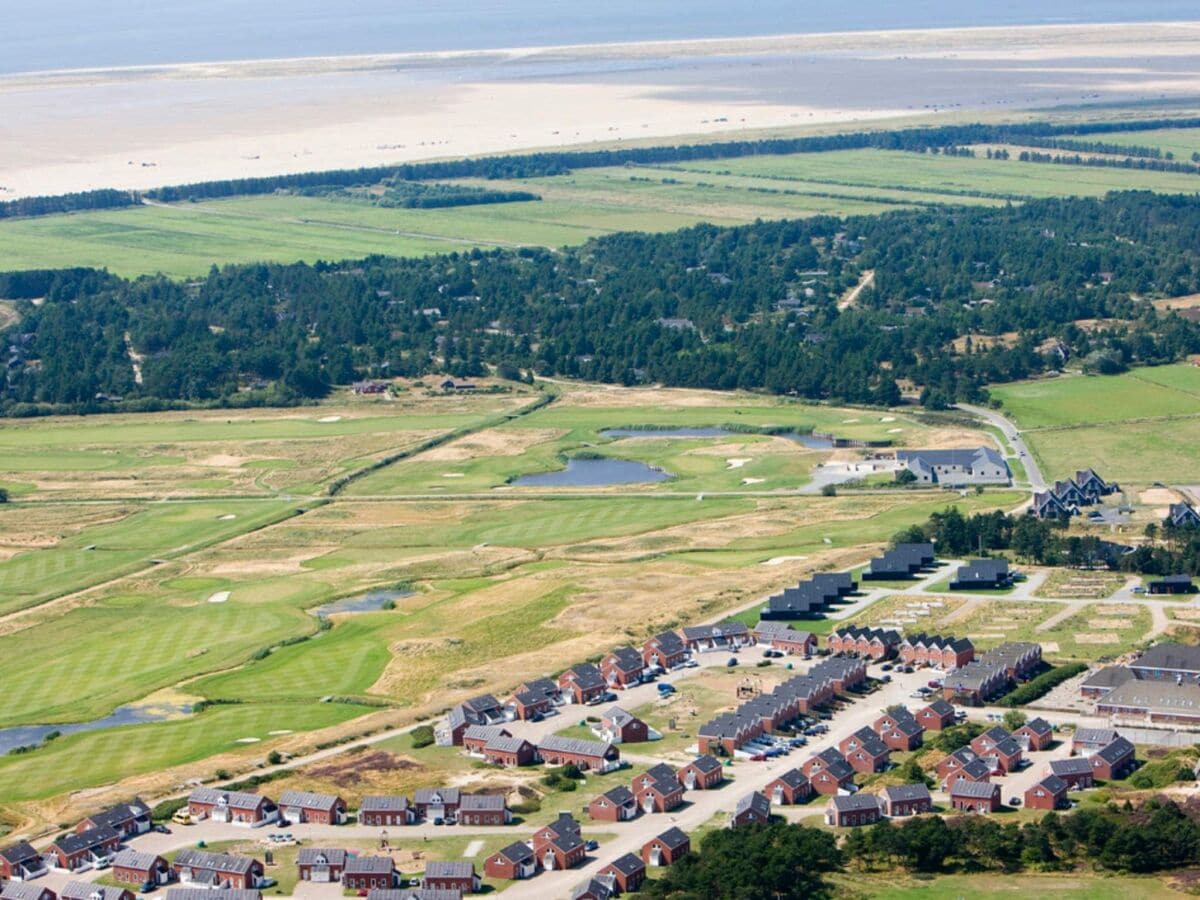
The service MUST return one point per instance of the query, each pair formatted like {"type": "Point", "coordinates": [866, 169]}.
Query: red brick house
{"type": "Point", "coordinates": [476, 737]}
{"type": "Point", "coordinates": [628, 872]}
{"type": "Point", "coordinates": [509, 752]}
{"type": "Point", "coordinates": [658, 790]}
{"type": "Point", "coordinates": [1036, 734]}
{"type": "Point", "coordinates": [999, 750]}
{"type": "Point", "coordinates": [199, 868]}
{"type": "Point", "coordinates": [728, 732]}
{"type": "Point", "coordinates": [975, 796]}
{"type": "Point", "coordinates": [782, 637]}
{"type": "Point", "coordinates": [80, 851]}
{"type": "Point", "coordinates": [129, 819]}
{"type": "Point", "coordinates": [512, 863]}
{"type": "Point", "coordinates": [864, 751]}
{"type": "Point", "coordinates": [937, 716]}
{"type": "Point", "coordinates": [905, 800]}
{"type": "Point", "coordinates": [385, 810]}
{"type": "Point", "coordinates": [590, 756]}
{"type": "Point", "coordinates": [528, 705]}
{"type": "Point", "coordinates": [1049, 794]}
{"type": "Point", "coordinates": [559, 845]}
{"type": "Point", "coordinates": [869, 643]}
{"type": "Point", "coordinates": [1089, 740]}
{"type": "Point", "coordinates": [86, 890]}
{"type": "Point", "coordinates": [617, 804]}
{"type": "Point", "coordinates": [752, 809]}
{"type": "Point", "coordinates": [622, 667]}
{"type": "Point", "coordinates": [702, 773]}
{"type": "Point", "coordinates": [899, 729]}
{"type": "Point", "coordinates": [666, 849]}
{"type": "Point", "coordinates": [666, 651]}
{"type": "Point", "coordinates": [828, 772]}
{"type": "Point", "coordinates": [583, 683]}
{"type": "Point", "coordinates": [598, 887]}
{"type": "Point", "coordinates": [483, 809]}
{"type": "Point", "coordinates": [21, 862]}
{"type": "Point", "coordinates": [436, 803]}
{"type": "Point", "coordinates": [136, 869]}
{"type": "Point", "coordinates": [1115, 760]}
{"type": "Point", "coordinates": [236, 807]}
{"type": "Point", "coordinates": [300, 807]}
{"type": "Point", "coordinates": [1075, 771]}
{"type": "Point", "coordinates": [940, 651]}
{"type": "Point", "coordinates": [369, 873]}
{"type": "Point", "coordinates": [23, 890]}
{"type": "Point", "coordinates": [620, 727]}
{"type": "Point", "coordinates": [852, 810]}
{"type": "Point", "coordinates": [788, 789]}
{"type": "Point", "coordinates": [319, 864]}
{"type": "Point", "coordinates": [963, 763]}
{"type": "Point", "coordinates": [450, 875]}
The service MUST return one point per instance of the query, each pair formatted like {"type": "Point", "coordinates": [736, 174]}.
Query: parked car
{"type": "Point", "coordinates": [731, 662]}
{"type": "Point", "coordinates": [934, 683]}
{"type": "Point", "coordinates": [689, 664]}
{"type": "Point", "coordinates": [664, 688]}
{"type": "Point", "coordinates": [885, 679]}
{"type": "Point", "coordinates": [887, 667]}
{"type": "Point", "coordinates": [1014, 801]}
{"type": "Point", "coordinates": [758, 757]}
{"type": "Point", "coordinates": [908, 670]}
{"type": "Point", "coordinates": [591, 845]}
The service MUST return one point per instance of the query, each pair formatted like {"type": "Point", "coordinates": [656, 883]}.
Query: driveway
{"type": "Point", "coordinates": [1013, 435]}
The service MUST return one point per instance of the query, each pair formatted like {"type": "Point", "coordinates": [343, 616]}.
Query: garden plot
{"type": "Point", "coordinates": [1071, 584]}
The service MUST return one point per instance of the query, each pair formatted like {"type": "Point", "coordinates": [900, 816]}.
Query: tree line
{"type": "Point", "coordinates": [1108, 162]}
{"type": "Point", "coordinates": [794, 862]}
{"type": "Point", "coordinates": [752, 307]}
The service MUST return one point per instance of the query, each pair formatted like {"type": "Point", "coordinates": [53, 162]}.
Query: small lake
{"type": "Point", "coordinates": [24, 735]}
{"type": "Point", "coordinates": [368, 602]}
{"type": "Point", "coordinates": [805, 440]}
{"type": "Point", "coordinates": [595, 473]}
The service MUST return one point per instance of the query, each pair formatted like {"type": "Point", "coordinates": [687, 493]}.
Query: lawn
{"type": "Point", "coordinates": [104, 552]}
{"type": "Point", "coordinates": [86, 760]}
{"type": "Point", "coordinates": [989, 886]}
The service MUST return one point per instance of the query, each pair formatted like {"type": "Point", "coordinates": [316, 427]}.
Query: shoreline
{"type": "Point", "coordinates": [799, 42]}
{"type": "Point", "coordinates": [143, 127]}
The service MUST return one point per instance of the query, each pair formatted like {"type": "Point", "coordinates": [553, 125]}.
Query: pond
{"type": "Point", "coordinates": [805, 440]}
{"type": "Point", "coordinates": [368, 602]}
{"type": "Point", "coordinates": [24, 735]}
{"type": "Point", "coordinates": [595, 473]}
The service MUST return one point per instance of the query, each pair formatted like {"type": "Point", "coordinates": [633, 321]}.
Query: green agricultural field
{"type": "Point", "coordinates": [1182, 142]}
{"type": "Point", "coordinates": [101, 757]}
{"type": "Point", "coordinates": [987, 886]}
{"type": "Point", "coordinates": [1137, 427]}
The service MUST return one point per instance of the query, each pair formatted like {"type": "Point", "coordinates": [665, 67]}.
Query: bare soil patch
{"type": "Point", "coordinates": [1188, 301]}
{"type": "Point", "coordinates": [491, 442]}
{"type": "Point", "coordinates": [1087, 637]}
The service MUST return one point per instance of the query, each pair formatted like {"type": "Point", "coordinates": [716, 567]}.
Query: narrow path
{"type": "Point", "coordinates": [1063, 614]}
{"type": "Point", "coordinates": [851, 296]}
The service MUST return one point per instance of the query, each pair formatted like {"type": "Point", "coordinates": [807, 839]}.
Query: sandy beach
{"type": "Point", "coordinates": [145, 126]}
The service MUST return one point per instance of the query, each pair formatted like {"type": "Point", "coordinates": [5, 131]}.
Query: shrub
{"type": "Point", "coordinates": [422, 736]}
{"type": "Point", "coordinates": [168, 808]}
{"type": "Point", "coordinates": [1042, 684]}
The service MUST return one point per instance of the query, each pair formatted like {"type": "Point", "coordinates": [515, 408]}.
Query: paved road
{"type": "Point", "coordinates": [1013, 435]}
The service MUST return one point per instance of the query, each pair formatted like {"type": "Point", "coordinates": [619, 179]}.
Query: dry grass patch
{"type": "Point", "coordinates": [492, 442]}
{"type": "Point", "coordinates": [1069, 584]}
{"type": "Point", "coordinates": [1188, 301]}
{"type": "Point", "coordinates": [1097, 638]}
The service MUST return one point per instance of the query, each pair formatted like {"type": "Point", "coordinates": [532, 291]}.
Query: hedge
{"type": "Point", "coordinates": [1042, 684]}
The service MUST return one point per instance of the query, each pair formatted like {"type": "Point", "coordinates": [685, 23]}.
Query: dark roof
{"type": "Point", "coordinates": [1073, 765]}
{"type": "Point", "coordinates": [793, 778]}
{"type": "Point", "coordinates": [85, 840]}
{"type": "Point", "coordinates": [1115, 752]}
{"type": "Point", "coordinates": [620, 795]}
{"type": "Point", "coordinates": [215, 862]}
{"type": "Point", "coordinates": [669, 642]}
{"type": "Point", "coordinates": [482, 703]}
{"type": "Point", "coordinates": [906, 792]}
{"type": "Point", "coordinates": [983, 570]}
{"type": "Point", "coordinates": [1038, 725]}
{"type": "Point", "coordinates": [673, 838]}
{"type": "Point", "coordinates": [705, 763]}
{"type": "Point", "coordinates": [383, 803]}
{"type": "Point", "coordinates": [629, 864]}
{"type": "Point", "coordinates": [369, 865]}
{"type": "Point", "coordinates": [1100, 736]}
{"type": "Point", "coordinates": [20, 852]}
{"type": "Point", "coordinates": [118, 815]}
{"type": "Point", "coordinates": [1053, 784]}
{"type": "Point", "coordinates": [976, 769]}
{"type": "Point", "coordinates": [133, 859]}
{"type": "Point", "coordinates": [627, 659]}
{"type": "Point", "coordinates": [317, 856]}
{"type": "Point", "coordinates": [479, 802]}
{"type": "Point", "coordinates": [756, 802]}
{"type": "Point", "coordinates": [941, 707]}
{"type": "Point", "coordinates": [446, 868]}
{"type": "Point", "coordinates": [973, 789]}
{"type": "Point", "coordinates": [855, 802]}
{"type": "Point", "coordinates": [1173, 657]}
{"type": "Point", "coordinates": [233, 799]}
{"type": "Point", "coordinates": [22, 890]}
{"type": "Point", "coordinates": [85, 890]}
{"type": "Point", "coordinates": [516, 852]}
{"type": "Point", "coordinates": [1108, 677]}
{"type": "Point", "coordinates": [587, 676]}
{"type": "Point", "coordinates": [578, 746]}
{"type": "Point", "coordinates": [430, 795]}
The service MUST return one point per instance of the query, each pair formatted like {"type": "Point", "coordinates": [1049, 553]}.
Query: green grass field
{"type": "Point", "coordinates": [1137, 427]}
{"type": "Point", "coordinates": [100, 757]}
{"type": "Point", "coordinates": [987, 886]}
{"type": "Point", "coordinates": [185, 239]}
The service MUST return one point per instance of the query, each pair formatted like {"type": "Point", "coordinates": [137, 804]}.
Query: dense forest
{"type": "Point", "coordinates": [749, 307]}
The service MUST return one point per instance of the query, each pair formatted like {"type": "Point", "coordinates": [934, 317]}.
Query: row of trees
{"type": "Point", "coordinates": [1046, 542]}
{"type": "Point", "coordinates": [1111, 162]}
{"type": "Point", "coordinates": [794, 862]}
{"type": "Point", "coordinates": [752, 307]}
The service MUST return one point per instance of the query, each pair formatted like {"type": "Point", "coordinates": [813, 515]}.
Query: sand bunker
{"type": "Point", "coordinates": [227, 517]}
{"type": "Point", "coordinates": [895, 430]}
{"type": "Point", "coordinates": [737, 462]}
{"type": "Point", "coordinates": [1050, 646]}
{"type": "Point", "coordinates": [753, 480]}
{"type": "Point", "coordinates": [219, 597]}
{"type": "Point", "coordinates": [222, 461]}
{"type": "Point", "coordinates": [473, 849]}
{"type": "Point", "coordinates": [327, 420]}
{"type": "Point", "coordinates": [247, 740]}
{"type": "Point", "coordinates": [887, 419]}
{"type": "Point", "coordinates": [1116, 609]}
{"type": "Point", "coordinates": [279, 731]}
{"type": "Point", "coordinates": [1157, 496]}
{"type": "Point", "coordinates": [453, 475]}
{"type": "Point", "coordinates": [780, 560]}
{"type": "Point", "coordinates": [1107, 624]}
